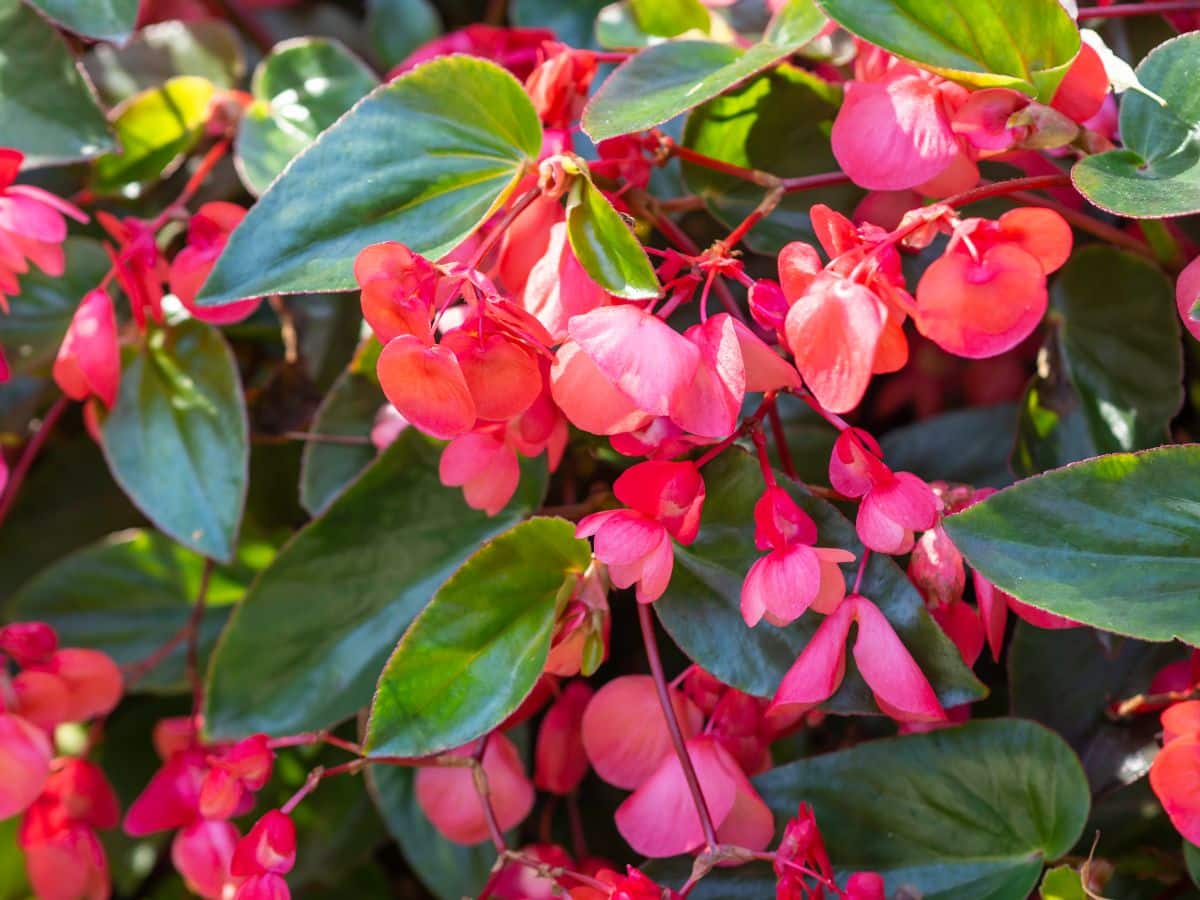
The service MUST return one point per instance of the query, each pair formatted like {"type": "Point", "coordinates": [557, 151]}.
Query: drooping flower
{"type": "Point", "coordinates": [25, 754]}
{"type": "Point", "coordinates": [559, 85]}
{"type": "Point", "coordinates": [92, 679]}
{"type": "Point", "coordinates": [234, 773]}
{"type": "Point", "coordinates": [89, 359]}
{"type": "Point", "coordinates": [140, 268]}
{"type": "Point", "coordinates": [900, 687]}
{"type": "Point", "coordinates": [208, 233]}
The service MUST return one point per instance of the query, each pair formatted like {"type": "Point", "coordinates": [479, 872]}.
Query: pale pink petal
{"type": "Point", "coordinates": [709, 405]}
{"type": "Point", "coordinates": [878, 531]}
{"type": "Point", "coordinates": [558, 288]}
{"type": "Point", "coordinates": [201, 854]}
{"type": "Point", "coordinates": [656, 571]}
{"type": "Point", "coordinates": [908, 500]}
{"type": "Point", "coordinates": [587, 398]}
{"type": "Point", "coordinates": [25, 760]}
{"type": "Point", "coordinates": [447, 795]}
{"type": "Point", "coordinates": [765, 369]}
{"type": "Point", "coordinates": [783, 584]}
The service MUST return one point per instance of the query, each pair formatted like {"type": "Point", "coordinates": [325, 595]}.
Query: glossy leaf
{"type": "Point", "coordinates": [339, 596]}
{"type": "Point", "coordinates": [444, 145]}
{"type": "Point", "coordinates": [1025, 46]}
{"type": "Point", "coordinates": [667, 79]}
{"type": "Point", "coordinates": [208, 49]}
{"type": "Point", "coordinates": [475, 652]}
{"type": "Point", "coordinates": [348, 409]}
{"type": "Point", "coordinates": [130, 594]}
{"type": "Point", "coordinates": [967, 445]}
{"type": "Point", "coordinates": [1062, 883]}
{"type": "Point", "coordinates": [181, 410]}
{"type": "Point", "coordinates": [971, 811]}
{"type": "Point", "coordinates": [667, 18]}
{"type": "Point", "coordinates": [156, 129]}
{"type": "Point", "coordinates": [1157, 172]}
{"type": "Point", "coordinates": [605, 246]}
{"type": "Point", "coordinates": [34, 328]}
{"type": "Point", "coordinates": [101, 20]}
{"type": "Point", "coordinates": [779, 122]}
{"type": "Point", "coordinates": [573, 21]}
{"type": "Point", "coordinates": [398, 27]}
{"type": "Point", "coordinates": [300, 89]}
{"type": "Point", "coordinates": [48, 110]}
{"type": "Point", "coordinates": [1119, 334]}
{"type": "Point", "coordinates": [1110, 542]}
{"type": "Point", "coordinates": [701, 608]}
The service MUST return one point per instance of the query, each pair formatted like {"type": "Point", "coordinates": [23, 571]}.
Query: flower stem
{"type": "Point", "coordinates": [668, 708]}
{"type": "Point", "coordinates": [1010, 186]}
{"type": "Point", "coordinates": [29, 454]}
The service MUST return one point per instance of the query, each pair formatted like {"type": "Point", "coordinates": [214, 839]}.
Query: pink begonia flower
{"type": "Point", "coordinates": [70, 865]}
{"type": "Point", "coordinates": [28, 643]}
{"type": "Point", "coordinates": [557, 288]}
{"type": "Point", "coordinates": [140, 268]}
{"type": "Point", "coordinates": [427, 385]}
{"type": "Point", "coordinates": [172, 798]}
{"type": "Point", "coordinates": [518, 881]}
{"type": "Point", "coordinates": [900, 687]}
{"type": "Point", "coordinates": [894, 504]}
{"type": "Point", "coordinates": [234, 773]}
{"type": "Point", "coordinates": [201, 854]}
{"type": "Point", "coordinates": [93, 681]}
{"type": "Point", "coordinates": [633, 885]}
{"type": "Point", "coordinates": [795, 574]}
{"type": "Point", "coordinates": [588, 398]}
{"type": "Point", "coordinates": [32, 227]}
{"type": "Point", "coordinates": [269, 846]}
{"type": "Point", "coordinates": [1083, 90]}
{"type": "Point", "coordinates": [484, 466]}
{"type": "Point", "coordinates": [516, 49]}
{"type": "Point", "coordinates": [893, 130]}
{"type": "Point", "coordinates": [624, 756]}
{"type": "Point", "coordinates": [400, 290]}
{"type": "Point", "coordinates": [657, 438]}
{"type": "Point", "coordinates": [665, 500]}
{"type": "Point", "coordinates": [208, 233]}
{"type": "Point", "coordinates": [659, 818]}
{"type": "Point", "coordinates": [560, 762]}
{"type": "Point", "coordinates": [1187, 297]}
{"type": "Point", "coordinates": [866, 886]}
{"type": "Point", "coordinates": [41, 698]}
{"type": "Point", "coordinates": [89, 359]}
{"type": "Point", "coordinates": [640, 355]}
{"type": "Point", "coordinates": [387, 426]}
{"type": "Point", "coordinates": [25, 754]}
{"type": "Point", "coordinates": [739, 724]}
{"type": "Point", "coordinates": [503, 377]}
{"type": "Point", "coordinates": [559, 85]}
{"type": "Point", "coordinates": [447, 795]}
{"type": "Point", "coordinates": [267, 886]}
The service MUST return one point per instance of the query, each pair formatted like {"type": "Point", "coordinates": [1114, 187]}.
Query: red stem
{"type": "Point", "coordinates": [1011, 186]}
{"type": "Point", "coordinates": [682, 241]}
{"type": "Point", "coordinates": [811, 182]}
{"type": "Point", "coordinates": [755, 176]}
{"type": "Point", "coordinates": [668, 708]}
{"type": "Point", "coordinates": [485, 798]}
{"type": "Point", "coordinates": [1138, 9]}
{"type": "Point", "coordinates": [29, 454]}
{"type": "Point", "coordinates": [781, 444]}
{"type": "Point", "coordinates": [207, 163]}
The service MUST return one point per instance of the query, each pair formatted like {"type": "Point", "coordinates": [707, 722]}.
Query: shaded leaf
{"type": "Point", "coordinates": [398, 27]}
{"type": "Point", "coordinates": [970, 446]}
{"type": "Point", "coordinates": [101, 20]}
{"type": "Point", "coordinates": [348, 409]}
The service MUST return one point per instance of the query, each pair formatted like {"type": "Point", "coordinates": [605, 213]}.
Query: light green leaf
{"type": "Point", "coordinates": [667, 18]}
{"type": "Point", "coordinates": [604, 245]}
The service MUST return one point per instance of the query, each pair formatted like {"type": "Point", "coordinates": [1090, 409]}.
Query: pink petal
{"type": "Point", "coordinates": [670, 492]}
{"type": "Point", "coordinates": [641, 355]}
{"type": "Point", "coordinates": [963, 626]}
{"type": "Point", "coordinates": [710, 404]}
{"type": "Point", "coordinates": [31, 218]}
{"type": "Point", "coordinates": [908, 500]}
{"type": "Point", "coordinates": [879, 531]}
{"type": "Point", "coordinates": [587, 398]}
{"type": "Point", "coordinates": [624, 538]}
{"type": "Point", "coordinates": [447, 795]}
{"type": "Point", "coordinates": [560, 762]}
{"type": "Point", "coordinates": [656, 571]}
{"type": "Point", "coordinates": [765, 369]}
{"type": "Point", "coordinates": [899, 685]}
{"type": "Point", "coordinates": [25, 760]}
{"type": "Point", "coordinates": [201, 853]}
{"type": "Point", "coordinates": [1040, 618]}
{"type": "Point", "coordinates": [625, 756]}
{"type": "Point", "coordinates": [1187, 297]}
{"type": "Point", "coordinates": [783, 583]}
{"type": "Point", "coordinates": [818, 670]}
{"type": "Point", "coordinates": [504, 378]}
{"type": "Point", "coordinates": [993, 610]}
{"type": "Point", "coordinates": [427, 386]}
{"type": "Point", "coordinates": [833, 579]}
{"type": "Point", "coordinates": [558, 288]}
{"type": "Point", "coordinates": [778, 521]}
{"type": "Point", "coordinates": [89, 360]}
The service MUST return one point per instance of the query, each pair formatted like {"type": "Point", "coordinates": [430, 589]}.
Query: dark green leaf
{"type": "Point", "coordinates": [451, 871]}
{"type": "Point", "coordinates": [398, 27]}
{"type": "Point", "coordinates": [443, 146]}
{"type": "Point", "coordinates": [348, 409]}
{"type": "Point", "coordinates": [156, 129]}
{"type": "Point", "coordinates": [1191, 857]}
{"type": "Point", "coordinates": [667, 18]}
{"type": "Point", "coordinates": [965, 812]}
{"type": "Point", "coordinates": [662, 81]}
{"type": "Point", "coordinates": [300, 89]}
{"type": "Point", "coordinates": [1110, 542]}
{"type": "Point", "coordinates": [34, 329]}
{"type": "Point", "coordinates": [779, 122]}
{"type": "Point", "coordinates": [701, 608]}
{"type": "Point", "coordinates": [101, 20]}
{"type": "Point", "coordinates": [605, 246]}
{"type": "Point", "coordinates": [129, 594]}
{"type": "Point", "coordinates": [968, 445]}
{"type": "Point", "coordinates": [573, 21]}
{"type": "Point", "coordinates": [208, 49]}
{"type": "Point", "coordinates": [1119, 334]}
{"type": "Point", "coordinates": [48, 110]}
{"type": "Point", "coordinates": [338, 597]}
{"type": "Point", "coordinates": [1026, 46]}
{"type": "Point", "coordinates": [1158, 172]}
{"type": "Point", "coordinates": [475, 652]}
{"type": "Point", "coordinates": [1051, 429]}
{"type": "Point", "coordinates": [177, 439]}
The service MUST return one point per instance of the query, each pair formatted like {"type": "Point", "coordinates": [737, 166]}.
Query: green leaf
{"type": "Point", "coordinates": [970, 446]}
{"type": "Point", "coordinates": [1026, 46]}
{"type": "Point", "coordinates": [348, 409]}
{"type": "Point", "coordinates": [14, 885]}
{"type": "Point", "coordinates": [130, 593]}
{"type": "Point", "coordinates": [35, 326]}
{"type": "Point", "coordinates": [964, 812]}
{"type": "Point", "coordinates": [605, 246]}
{"type": "Point", "coordinates": [572, 21]}
{"type": "Point", "coordinates": [207, 49]}
{"type": "Point", "coordinates": [48, 110]}
{"type": "Point", "coordinates": [1191, 858]}
{"type": "Point", "coordinates": [1119, 334]}
{"type": "Point", "coordinates": [338, 597]}
{"type": "Point", "coordinates": [474, 653]}
{"type": "Point", "coordinates": [398, 27]}
{"type": "Point", "coordinates": [779, 122]}
{"type": "Point", "coordinates": [101, 20]}
{"type": "Point", "coordinates": [156, 128]}
{"type": "Point", "coordinates": [667, 79]}
{"type": "Point", "coordinates": [1062, 883]}
{"type": "Point", "coordinates": [1157, 173]}
{"type": "Point", "coordinates": [1110, 542]}
{"type": "Point", "coordinates": [450, 871]}
{"type": "Point", "coordinates": [443, 146]}
{"type": "Point", "coordinates": [1051, 430]}
{"type": "Point", "coordinates": [701, 608]}
{"type": "Point", "coordinates": [667, 18]}
{"type": "Point", "coordinates": [300, 89]}
{"type": "Point", "coordinates": [177, 439]}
